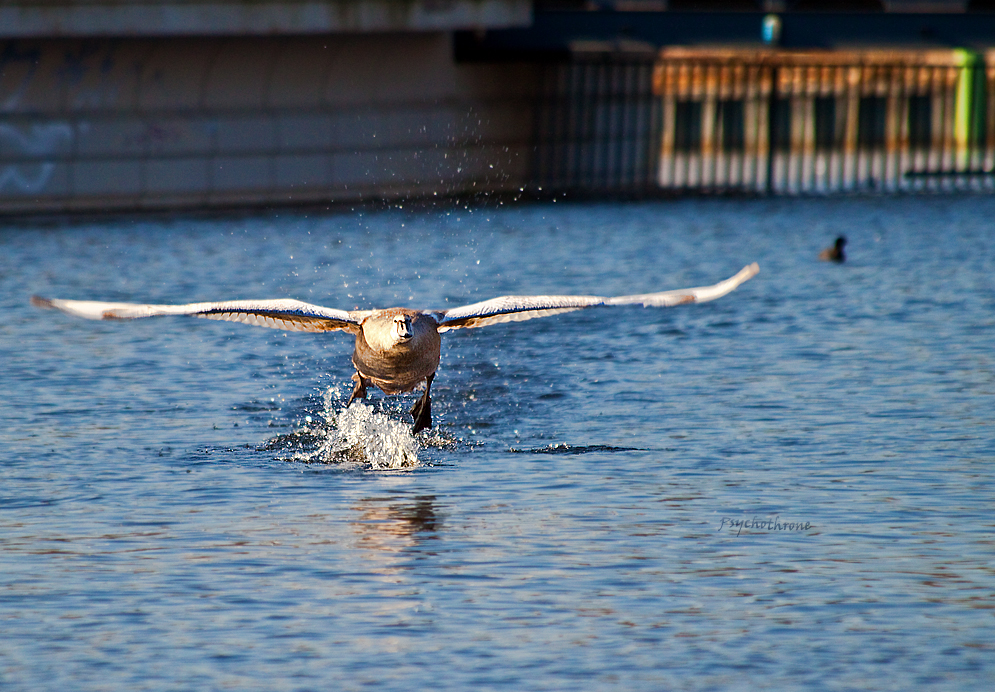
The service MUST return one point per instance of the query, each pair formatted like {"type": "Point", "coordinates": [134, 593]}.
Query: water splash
{"type": "Point", "coordinates": [373, 437]}
{"type": "Point", "coordinates": [357, 434]}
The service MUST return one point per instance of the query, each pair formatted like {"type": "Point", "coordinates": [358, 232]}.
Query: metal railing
{"type": "Point", "coordinates": [597, 127]}
{"type": "Point", "coordinates": [770, 122]}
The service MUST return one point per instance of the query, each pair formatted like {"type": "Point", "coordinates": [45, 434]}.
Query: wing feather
{"type": "Point", "coordinates": [294, 315]}
{"type": "Point", "coordinates": [518, 308]}
{"type": "Point", "coordinates": [289, 315]}
{"type": "Point", "coordinates": [699, 294]}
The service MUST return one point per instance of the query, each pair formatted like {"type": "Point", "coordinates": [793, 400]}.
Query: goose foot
{"type": "Point", "coordinates": [422, 410]}
{"type": "Point", "coordinates": [359, 391]}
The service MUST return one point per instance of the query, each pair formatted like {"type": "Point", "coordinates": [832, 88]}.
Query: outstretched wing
{"type": "Point", "coordinates": [290, 315]}
{"type": "Point", "coordinates": [518, 308]}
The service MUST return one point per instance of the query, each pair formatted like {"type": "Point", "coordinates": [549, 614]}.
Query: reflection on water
{"type": "Point", "coordinates": [392, 524]}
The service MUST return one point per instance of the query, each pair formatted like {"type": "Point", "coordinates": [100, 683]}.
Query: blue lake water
{"type": "Point", "coordinates": [178, 509]}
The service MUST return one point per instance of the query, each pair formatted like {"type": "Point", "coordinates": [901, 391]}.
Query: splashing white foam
{"type": "Point", "coordinates": [360, 435]}
{"type": "Point", "coordinates": [383, 442]}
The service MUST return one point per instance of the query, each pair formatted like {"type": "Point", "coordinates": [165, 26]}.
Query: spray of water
{"type": "Point", "coordinates": [367, 436]}
{"type": "Point", "coordinates": [357, 434]}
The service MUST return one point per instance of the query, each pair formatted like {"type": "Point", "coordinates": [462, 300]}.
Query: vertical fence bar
{"type": "Point", "coordinates": [682, 163]}
{"type": "Point", "coordinates": [614, 136]}
{"type": "Point", "coordinates": [653, 134]}
{"type": "Point", "coordinates": [723, 127]}
{"type": "Point", "coordinates": [748, 93]}
{"type": "Point", "coordinates": [737, 145]}
{"type": "Point", "coordinates": [896, 152]}
{"type": "Point", "coordinates": [796, 142]}
{"type": "Point", "coordinates": [764, 150]}
{"type": "Point", "coordinates": [790, 131]}
{"type": "Point", "coordinates": [914, 82]}
{"type": "Point", "coordinates": [607, 134]}
{"type": "Point", "coordinates": [851, 95]}
{"type": "Point", "coordinates": [935, 149]}
{"type": "Point", "coordinates": [810, 83]}
{"type": "Point", "coordinates": [780, 128]}
{"type": "Point", "coordinates": [840, 113]}
{"type": "Point", "coordinates": [708, 93]}
{"type": "Point", "coordinates": [565, 150]}
{"type": "Point", "coordinates": [588, 139]}
{"type": "Point", "coordinates": [576, 115]}
{"type": "Point", "coordinates": [693, 153]}
{"type": "Point", "coordinates": [887, 88]}
{"type": "Point", "coordinates": [568, 151]}
{"type": "Point", "coordinates": [551, 147]}
{"type": "Point", "coordinates": [948, 100]}
{"type": "Point", "coordinates": [633, 104]}
{"type": "Point", "coordinates": [907, 78]}
{"type": "Point", "coordinates": [989, 152]}
{"type": "Point", "coordinates": [666, 85]}
{"type": "Point", "coordinates": [593, 106]}
{"type": "Point", "coordinates": [752, 95]}
{"type": "Point", "coordinates": [871, 104]}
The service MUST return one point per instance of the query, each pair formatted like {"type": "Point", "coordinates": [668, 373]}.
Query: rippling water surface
{"type": "Point", "coordinates": [790, 488]}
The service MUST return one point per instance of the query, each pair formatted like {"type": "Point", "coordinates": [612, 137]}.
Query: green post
{"type": "Point", "coordinates": [963, 110]}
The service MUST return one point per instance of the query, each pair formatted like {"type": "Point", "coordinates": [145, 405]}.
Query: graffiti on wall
{"type": "Point", "coordinates": [32, 149]}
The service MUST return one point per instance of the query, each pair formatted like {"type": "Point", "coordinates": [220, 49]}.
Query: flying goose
{"type": "Point", "coordinates": [397, 348]}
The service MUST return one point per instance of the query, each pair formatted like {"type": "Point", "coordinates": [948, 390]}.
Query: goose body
{"type": "Point", "coordinates": [396, 349]}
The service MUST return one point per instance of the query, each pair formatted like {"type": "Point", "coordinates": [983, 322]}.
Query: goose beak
{"type": "Point", "coordinates": [402, 328]}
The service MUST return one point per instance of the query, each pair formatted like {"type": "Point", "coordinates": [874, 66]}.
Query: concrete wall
{"type": "Point", "coordinates": [78, 18]}
{"type": "Point", "coordinates": [132, 123]}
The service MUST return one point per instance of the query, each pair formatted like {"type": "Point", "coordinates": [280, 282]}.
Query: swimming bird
{"type": "Point", "coordinates": [396, 349]}
{"type": "Point", "coordinates": [834, 253]}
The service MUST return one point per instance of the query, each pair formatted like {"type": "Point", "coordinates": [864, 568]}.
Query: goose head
{"type": "Point", "coordinates": [402, 329]}
{"type": "Point", "coordinates": [386, 330]}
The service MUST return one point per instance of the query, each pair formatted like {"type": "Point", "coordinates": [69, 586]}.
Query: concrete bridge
{"type": "Point", "coordinates": [157, 104]}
